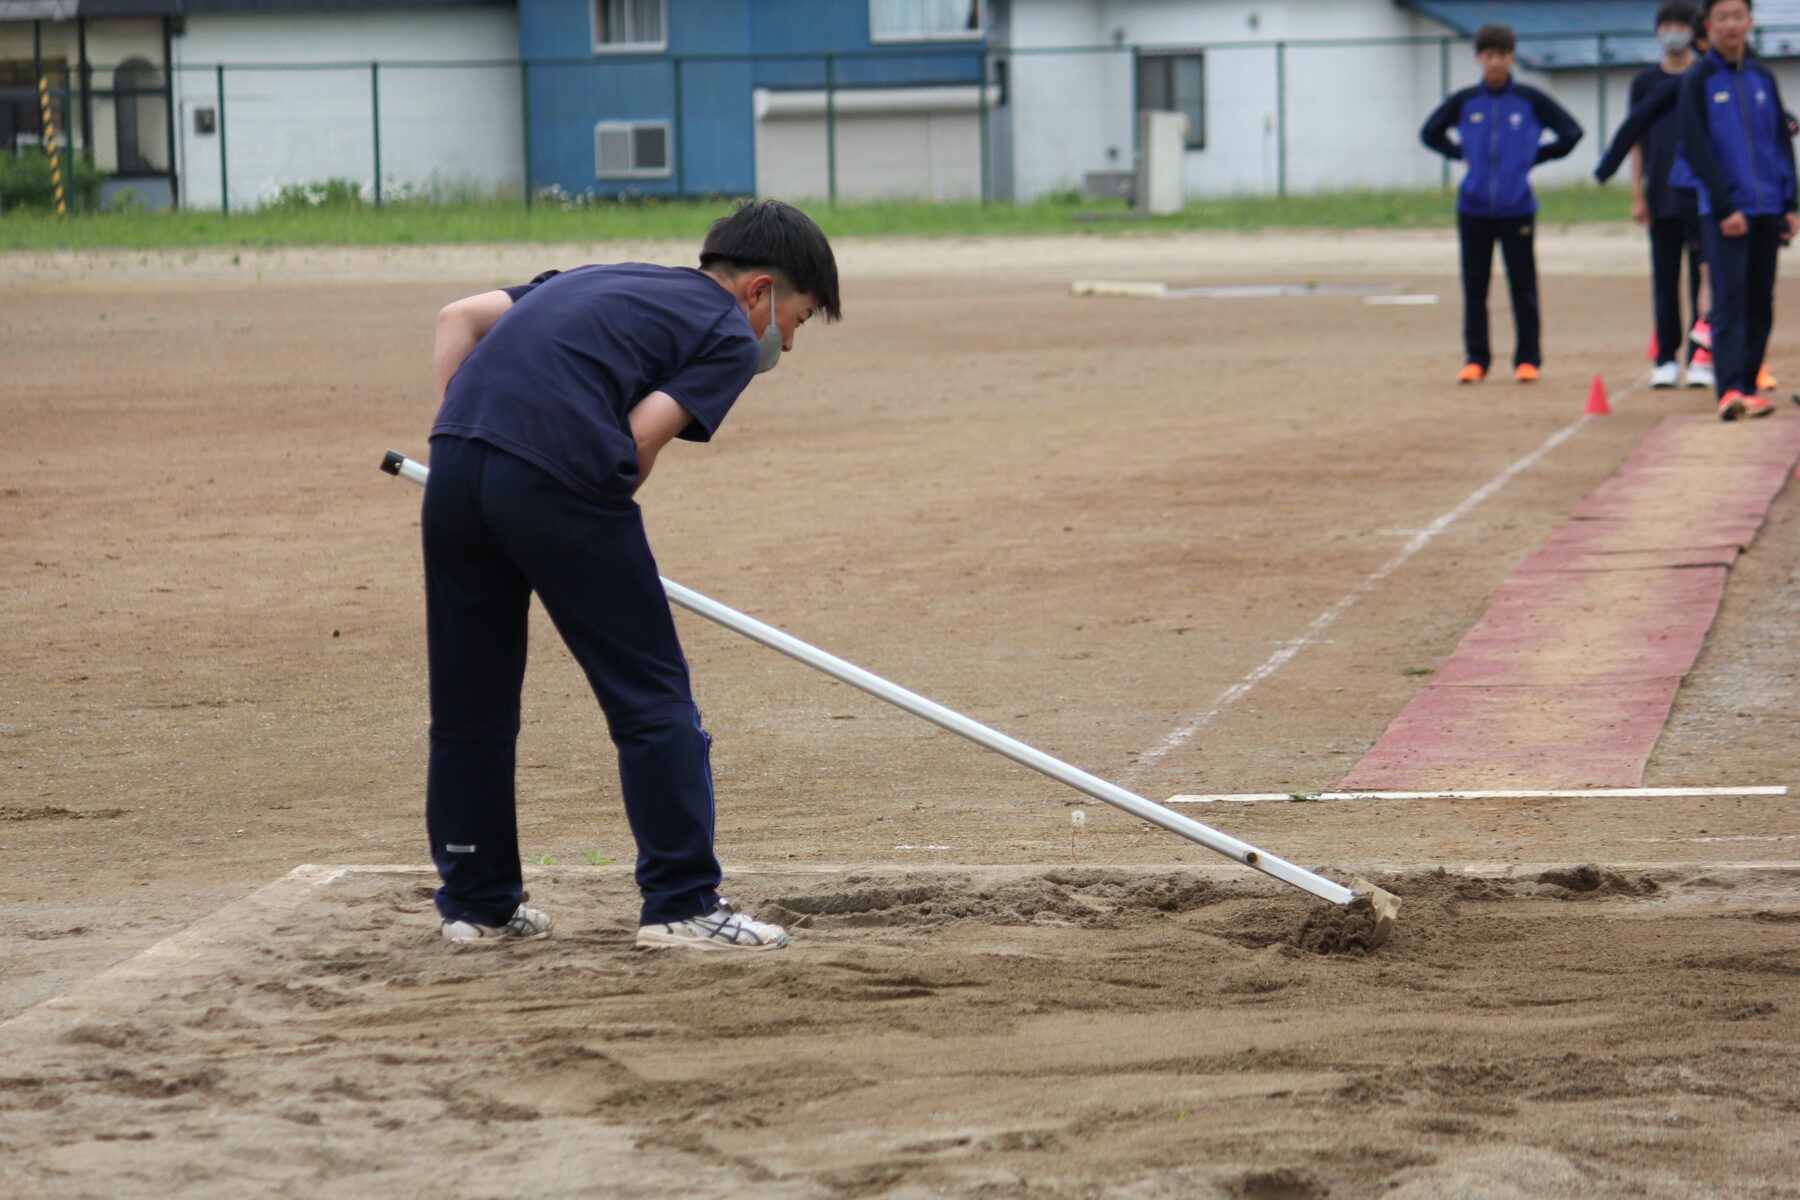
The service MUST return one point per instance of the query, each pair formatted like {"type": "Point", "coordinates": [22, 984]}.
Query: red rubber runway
{"type": "Point", "coordinates": [1568, 678]}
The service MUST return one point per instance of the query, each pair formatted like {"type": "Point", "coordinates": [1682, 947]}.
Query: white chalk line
{"type": "Point", "coordinates": [1493, 794]}
{"type": "Point", "coordinates": [1418, 541]}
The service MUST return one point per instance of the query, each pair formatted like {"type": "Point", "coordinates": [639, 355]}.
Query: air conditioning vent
{"type": "Point", "coordinates": [631, 150]}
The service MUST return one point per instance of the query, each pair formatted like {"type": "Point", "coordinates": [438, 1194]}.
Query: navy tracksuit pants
{"type": "Point", "coordinates": [497, 529]}
{"type": "Point", "coordinates": [1743, 283]}
{"type": "Point", "coordinates": [1477, 236]}
{"type": "Point", "coordinates": [1670, 237]}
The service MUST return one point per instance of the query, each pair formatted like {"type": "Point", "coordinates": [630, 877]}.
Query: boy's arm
{"type": "Point", "coordinates": [1697, 146]}
{"type": "Point", "coordinates": [1640, 207]}
{"type": "Point", "coordinates": [1557, 120]}
{"type": "Point", "coordinates": [459, 326]}
{"type": "Point", "coordinates": [654, 421]}
{"type": "Point", "coordinates": [1785, 140]}
{"type": "Point", "coordinates": [1631, 132]}
{"type": "Point", "coordinates": [1436, 130]}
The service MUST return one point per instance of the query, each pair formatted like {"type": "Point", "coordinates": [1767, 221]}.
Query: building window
{"type": "Point", "coordinates": [630, 25]}
{"type": "Point", "coordinates": [142, 129]}
{"type": "Point", "coordinates": [1175, 83]}
{"type": "Point", "coordinates": [926, 20]}
{"type": "Point", "coordinates": [631, 150]}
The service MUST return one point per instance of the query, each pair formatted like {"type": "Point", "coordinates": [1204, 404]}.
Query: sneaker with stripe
{"type": "Point", "coordinates": [722, 928]}
{"type": "Point", "coordinates": [525, 925]}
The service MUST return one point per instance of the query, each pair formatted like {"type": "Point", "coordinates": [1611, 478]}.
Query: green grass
{"type": "Point", "coordinates": [415, 223]}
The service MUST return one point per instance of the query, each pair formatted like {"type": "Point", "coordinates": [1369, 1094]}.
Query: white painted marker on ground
{"type": "Point", "coordinates": [1497, 794]}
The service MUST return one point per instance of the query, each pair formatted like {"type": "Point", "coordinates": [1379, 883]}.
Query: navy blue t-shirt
{"type": "Point", "coordinates": [555, 378]}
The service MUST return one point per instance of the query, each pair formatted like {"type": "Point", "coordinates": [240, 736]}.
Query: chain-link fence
{"type": "Point", "coordinates": [971, 122]}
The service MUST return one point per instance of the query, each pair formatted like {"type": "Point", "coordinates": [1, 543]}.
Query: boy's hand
{"type": "Point", "coordinates": [1793, 227]}
{"type": "Point", "coordinates": [1735, 225]}
{"type": "Point", "coordinates": [1640, 210]}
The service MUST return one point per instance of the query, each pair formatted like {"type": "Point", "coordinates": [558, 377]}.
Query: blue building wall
{"type": "Point", "coordinates": [719, 51]}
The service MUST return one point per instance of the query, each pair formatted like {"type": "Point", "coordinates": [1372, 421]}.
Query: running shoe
{"type": "Point", "coordinates": [1758, 406]}
{"type": "Point", "coordinates": [1472, 373]}
{"type": "Point", "coordinates": [722, 928]}
{"type": "Point", "coordinates": [1731, 406]}
{"type": "Point", "coordinates": [1526, 373]}
{"type": "Point", "coordinates": [1701, 335]}
{"type": "Point", "coordinates": [1700, 371]}
{"type": "Point", "coordinates": [525, 925]}
{"type": "Point", "coordinates": [1665, 375]}
{"type": "Point", "coordinates": [1765, 379]}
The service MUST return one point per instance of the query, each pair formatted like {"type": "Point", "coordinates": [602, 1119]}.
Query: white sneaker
{"type": "Point", "coordinates": [1666, 375]}
{"type": "Point", "coordinates": [526, 925]}
{"type": "Point", "coordinates": [1700, 374]}
{"type": "Point", "coordinates": [721, 929]}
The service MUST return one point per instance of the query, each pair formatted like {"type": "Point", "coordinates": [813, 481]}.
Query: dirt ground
{"type": "Point", "coordinates": [1084, 522]}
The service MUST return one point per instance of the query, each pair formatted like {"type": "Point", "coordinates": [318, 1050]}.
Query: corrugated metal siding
{"type": "Point", "coordinates": [766, 44]}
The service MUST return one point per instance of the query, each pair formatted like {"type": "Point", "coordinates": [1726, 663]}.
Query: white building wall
{"type": "Point", "coordinates": [444, 130]}
{"type": "Point", "coordinates": [1071, 112]}
{"type": "Point", "coordinates": [1352, 113]}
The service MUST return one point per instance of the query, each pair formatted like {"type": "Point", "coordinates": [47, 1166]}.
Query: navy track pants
{"type": "Point", "coordinates": [1670, 239]}
{"type": "Point", "coordinates": [1743, 284]}
{"type": "Point", "coordinates": [1477, 236]}
{"type": "Point", "coordinates": [497, 529]}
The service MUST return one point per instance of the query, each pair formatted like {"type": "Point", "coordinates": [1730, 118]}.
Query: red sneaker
{"type": "Point", "coordinates": [1472, 373]}
{"type": "Point", "coordinates": [1731, 406]}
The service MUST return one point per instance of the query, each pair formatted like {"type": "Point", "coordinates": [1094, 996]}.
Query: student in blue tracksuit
{"type": "Point", "coordinates": [1499, 126]}
{"type": "Point", "coordinates": [1735, 139]}
{"type": "Point", "coordinates": [556, 398]}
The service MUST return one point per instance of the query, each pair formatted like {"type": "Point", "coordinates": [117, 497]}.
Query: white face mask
{"type": "Point", "coordinates": [1675, 40]}
{"type": "Point", "coordinates": [769, 351]}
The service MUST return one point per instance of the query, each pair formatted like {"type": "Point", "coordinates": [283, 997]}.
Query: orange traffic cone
{"type": "Point", "coordinates": [1652, 348]}
{"type": "Point", "coordinates": [1597, 405]}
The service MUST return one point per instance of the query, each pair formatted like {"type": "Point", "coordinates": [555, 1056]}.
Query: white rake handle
{"type": "Point", "coordinates": [1145, 810]}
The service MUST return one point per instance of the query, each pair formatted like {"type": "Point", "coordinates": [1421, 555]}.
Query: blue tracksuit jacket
{"type": "Point", "coordinates": [1500, 136]}
{"type": "Point", "coordinates": [1734, 138]}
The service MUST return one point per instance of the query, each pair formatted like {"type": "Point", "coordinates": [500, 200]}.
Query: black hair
{"type": "Point", "coordinates": [1675, 12]}
{"type": "Point", "coordinates": [772, 236]}
{"type": "Point", "coordinates": [1495, 37]}
{"type": "Point", "coordinates": [1712, 4]}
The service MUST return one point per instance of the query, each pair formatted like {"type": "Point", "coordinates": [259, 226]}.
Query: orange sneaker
{"type": "Point", "coordinates": [1525, 373]}
{"type": "Point", "coordinates": [1765, 379]}
{"type": "Point", "coordinates": [1472, 373]}
{"type": "Point", "coordinates": [1731, 406]}
{"type": "Point", "coordinates": [1758, 406]}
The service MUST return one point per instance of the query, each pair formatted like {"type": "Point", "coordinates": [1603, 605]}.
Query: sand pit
{"type": "Point", "coordinates": [997, 1031]}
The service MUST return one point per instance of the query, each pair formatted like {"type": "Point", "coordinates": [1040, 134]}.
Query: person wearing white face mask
{"type": "Point", "coordinates": [1670, 214]}
{"type": "Point", "coordinates": [556, 397]}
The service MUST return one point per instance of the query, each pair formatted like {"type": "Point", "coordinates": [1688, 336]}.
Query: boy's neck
{"type": "Point", "coordinates": [1496, 87]}
{"type": "Point", "coordinates": [1675, 64]}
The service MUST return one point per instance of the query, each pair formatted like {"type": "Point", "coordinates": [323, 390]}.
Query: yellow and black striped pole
{"type": "Point", "coordinates": [62, 205]}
